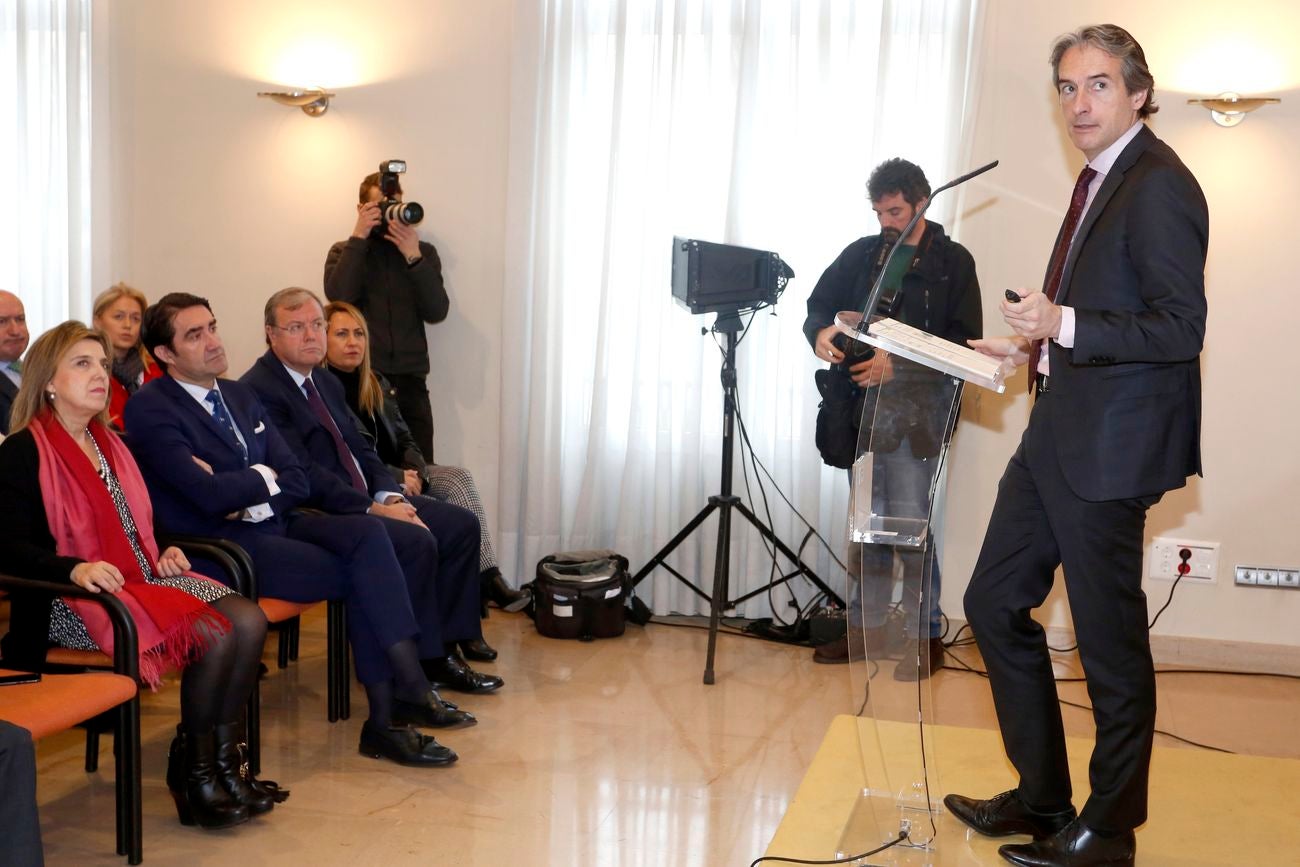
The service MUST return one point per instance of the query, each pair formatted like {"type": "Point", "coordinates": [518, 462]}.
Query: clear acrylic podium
{"type": "Point", "coordinates": [905, 430]}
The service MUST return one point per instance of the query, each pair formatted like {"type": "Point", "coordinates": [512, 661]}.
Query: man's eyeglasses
{"type": "Point", "coordinates": [295, 329]}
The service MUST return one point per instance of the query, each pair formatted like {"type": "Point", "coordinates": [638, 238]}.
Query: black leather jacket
{"type": "Point", "coordinates": [386, 430]}
{"type": "Point", "coordinates": [941, 293]}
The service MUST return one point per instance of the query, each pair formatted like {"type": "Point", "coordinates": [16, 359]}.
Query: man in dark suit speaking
{"type": "Point", "coordinates": [307, 404]}
{"type": "Point", "coordinates": [1113, 344]}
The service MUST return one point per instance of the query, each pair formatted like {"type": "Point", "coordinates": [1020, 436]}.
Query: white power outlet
{"type": "Point", "coordinates": [1268, 576]}
{"type": "Point", "coordinates": [1164, 560]}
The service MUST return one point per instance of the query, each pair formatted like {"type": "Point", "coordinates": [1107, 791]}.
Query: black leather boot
{"type": "Point", "coordinates": [200, 798]}
{"type": "Point", "coordinates": [233, 772]}
{"type": "Point", "coordinates": [176, 763]}
{"type": "Point", "coordinates": [493, 588]}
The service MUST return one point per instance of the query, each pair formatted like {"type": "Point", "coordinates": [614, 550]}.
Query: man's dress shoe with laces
{"type": "Point", "coordinates": [404, 746]}
{"type": "Point", "coordinates": [1005, 814]}
{"type": "Point", "coordinates": [478, 650]}
{"type": "Point", "coordinates": [1075, 845]}
{"type": "Point", "coordinates": [431, 713]}
{"type": "Point", "coordinates": [451, 672]}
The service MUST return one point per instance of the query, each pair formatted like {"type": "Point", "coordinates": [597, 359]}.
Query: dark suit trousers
{"type": "Point", "coordinates": [441, 569]}
{"type": "Point", "coordinates": [1038, 523]}
{"type": "Point", "coordinates": [413, 402]}
{"type": "Point", "coordinates": [20, 829]}
{"type": "Point", "coordinates": [346, 557]}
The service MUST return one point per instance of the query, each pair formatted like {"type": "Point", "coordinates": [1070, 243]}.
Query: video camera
{"type": "Point", "coordinates": [392, 209]}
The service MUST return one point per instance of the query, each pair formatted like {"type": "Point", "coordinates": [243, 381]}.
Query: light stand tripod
{"type": "Point", "coordinates": [728, 324]}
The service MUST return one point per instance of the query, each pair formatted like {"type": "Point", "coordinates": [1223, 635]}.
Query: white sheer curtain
{"type": "Point", "coordinates": [45, 151]}
{"type": "Point", "coordinates": [750, 122]}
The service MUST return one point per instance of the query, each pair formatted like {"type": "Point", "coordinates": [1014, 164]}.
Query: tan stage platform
{"type": "Point", "coordinates": [1207, 808]}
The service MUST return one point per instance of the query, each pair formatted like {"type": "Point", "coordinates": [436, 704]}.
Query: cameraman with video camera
{"type": "Point", "coordinates": [930, 284]}
{"type": "Point", "coordinates": [396, 280]}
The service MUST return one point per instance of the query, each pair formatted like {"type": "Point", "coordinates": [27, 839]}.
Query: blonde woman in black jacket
{"type": "Point", "coordinates": [375, 404]}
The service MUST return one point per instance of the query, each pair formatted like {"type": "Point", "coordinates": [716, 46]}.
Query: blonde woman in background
{"type": "Point", "coordinates": [117, 313]}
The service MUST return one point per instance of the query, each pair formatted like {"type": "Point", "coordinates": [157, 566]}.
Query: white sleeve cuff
{"type": "Point", "coordinates": [269, 475]}
{"type": "Point", "coordinates": [1066, 337]}
{"type": "Point", "coordinates": [259, 513]}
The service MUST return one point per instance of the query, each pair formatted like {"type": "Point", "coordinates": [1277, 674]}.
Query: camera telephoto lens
{"type": "Point", "coordinates": [407, 213]}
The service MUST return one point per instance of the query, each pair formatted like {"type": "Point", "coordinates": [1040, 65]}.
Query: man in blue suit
{"type": "Point", "coordinates": [216, 466]}
{"type": "Point", "coordinates": [307, 404]}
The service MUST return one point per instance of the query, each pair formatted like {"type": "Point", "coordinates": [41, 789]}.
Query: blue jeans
{"type": "Point", "coordinates": [900, 485]}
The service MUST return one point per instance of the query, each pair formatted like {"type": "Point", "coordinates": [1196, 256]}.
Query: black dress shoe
{"type": "Point", "coordinates": [404, 746]}
{"type": "Point", "coordinates": [478, 650]}
{"type": "Point", "coordinates": [931, 651]}
{"type": "Point", "coordinates": [432, 713]}
{"type": "Point", "coordinates": [451, 672]}
{"type": "Point", "coordinates": [1005, 814]}
{"type": "Point", "coordinates": [1075, 845]}
{"type": "Point", "coordinates": [494, 589]}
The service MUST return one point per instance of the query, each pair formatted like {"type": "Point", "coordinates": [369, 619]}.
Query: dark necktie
{"type": "Point", "coordinates": [322, 414]}
{"type": "Point", "coordinates": [1059, 254]}
{"type": "Point", "coordinates": [222, 418]}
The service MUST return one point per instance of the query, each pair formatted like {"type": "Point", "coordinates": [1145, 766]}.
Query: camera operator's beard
{"type": "Point", "coordinates": [889, 236]}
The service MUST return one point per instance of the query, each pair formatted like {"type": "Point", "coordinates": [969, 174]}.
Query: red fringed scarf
{"type": "Point", "coordinates": [174, 627]}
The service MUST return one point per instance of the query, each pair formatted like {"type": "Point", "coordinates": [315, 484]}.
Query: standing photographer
{"type": "Point", "coordinates": [396, 280]}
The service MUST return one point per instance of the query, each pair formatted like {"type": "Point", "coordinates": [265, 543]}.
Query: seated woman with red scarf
{"type": "Point", "coordinates": [73, 508]}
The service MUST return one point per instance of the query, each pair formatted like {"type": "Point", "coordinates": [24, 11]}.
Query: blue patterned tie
{"type": "Point", "coordinates": [223, 418]}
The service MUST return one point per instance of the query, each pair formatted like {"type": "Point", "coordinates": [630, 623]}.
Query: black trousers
{"type": "Point", "coordinates": [20, 829]}
{"type": "Point", "coordinates": [413, 401]}
{"type": "Point", "coordinates": [1037, 524]}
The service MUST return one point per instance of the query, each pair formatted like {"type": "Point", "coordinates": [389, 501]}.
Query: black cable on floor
{"type": "Point", "coordinates": [849, 860]}
{"type": "Point", "coordinates": [984, 674]}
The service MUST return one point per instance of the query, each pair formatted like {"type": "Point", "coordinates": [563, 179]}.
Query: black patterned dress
{"type": "Point", "coordinates": [66, 628]}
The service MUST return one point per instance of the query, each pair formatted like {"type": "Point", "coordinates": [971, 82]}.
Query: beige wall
{"type": "Point", "coordinates": [215, 191]}
{"type": "Point", "coordinates": [1252, 182]}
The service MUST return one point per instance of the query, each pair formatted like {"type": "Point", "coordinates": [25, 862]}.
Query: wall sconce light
{"type": "Point", "coordinates": [1230, 109]}
{"type": "Point", "coordinates": [314, 102]}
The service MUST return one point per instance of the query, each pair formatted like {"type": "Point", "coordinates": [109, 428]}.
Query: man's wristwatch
{"type": "Point", "coordinates": [412, 261]}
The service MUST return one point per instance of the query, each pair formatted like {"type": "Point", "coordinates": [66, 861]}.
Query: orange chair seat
{"type": "Point", "coordinates": [82, 658]}
{"type": "Point", "coordinates": [60, 701]}
{"type": "Point", "coordinates": [278, 610]}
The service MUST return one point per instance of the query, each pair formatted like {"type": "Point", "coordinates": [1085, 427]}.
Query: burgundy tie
{"type": "Point", "coordinates": [1059, 253]}
{"type": "Point", "coordinates": [322, 414]}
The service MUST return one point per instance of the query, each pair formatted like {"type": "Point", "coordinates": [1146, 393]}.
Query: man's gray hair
{"type": "Point", "coordinates": [289, 299]}
{"type": "Point", "coordinates": [1120, 44]}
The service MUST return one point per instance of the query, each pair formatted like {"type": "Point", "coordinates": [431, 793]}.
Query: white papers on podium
{"type": "Point", "coordinates": [925, 349]}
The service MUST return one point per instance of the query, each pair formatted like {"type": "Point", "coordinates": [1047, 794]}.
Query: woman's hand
{"type": "Point", "coordinates": [98, 576]}
{"type": "Point", "coordinates": [412, 484]}
{"type": "Point", "coordinates": [172, 563]}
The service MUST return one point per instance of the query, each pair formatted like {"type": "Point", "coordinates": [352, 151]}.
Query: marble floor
{"type": "Point", "coordinates": [609, 753]}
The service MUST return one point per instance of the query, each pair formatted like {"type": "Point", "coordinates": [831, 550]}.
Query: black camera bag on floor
{"type": "Point", "coordinates": [581, 594]}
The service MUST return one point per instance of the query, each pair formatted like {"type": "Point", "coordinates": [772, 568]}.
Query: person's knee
{"type": "Point", "coordinates": [246, 618]}
{"type": "Point", "coordinates": [979, 614]}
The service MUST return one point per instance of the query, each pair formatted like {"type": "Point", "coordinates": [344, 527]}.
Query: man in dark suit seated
{"type": "Point", "coordinates": [13, 343]}
{"type": "Point", "coordinates": [216, 466]}
{"type": "Point", "coordinates": [308, 406]}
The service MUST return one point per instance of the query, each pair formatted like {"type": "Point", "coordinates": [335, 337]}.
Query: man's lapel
{"type": "Point", "coordinates": [191, 407]}
{"type": "Point", "coordinates": [1109, 185]}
